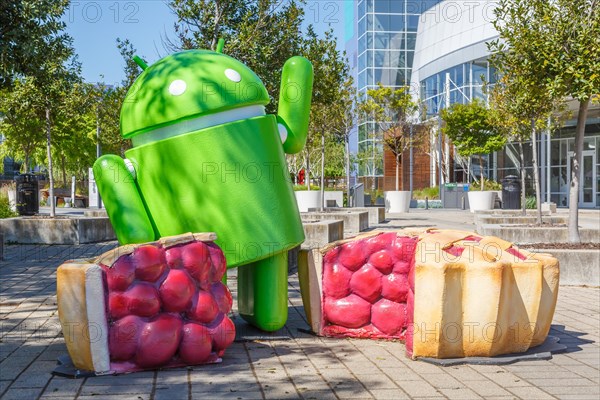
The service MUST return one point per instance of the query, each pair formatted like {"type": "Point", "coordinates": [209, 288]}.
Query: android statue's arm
{"type": "Point", "coordinates": [124, 205]}
{"type": "Point", "coordinates": [294, 103]}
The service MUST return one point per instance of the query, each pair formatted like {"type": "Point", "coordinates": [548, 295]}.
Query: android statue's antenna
{"type": "Point", "coordinates": [220, 45]}
{"type": "Point", "coordinates": [138, 60]}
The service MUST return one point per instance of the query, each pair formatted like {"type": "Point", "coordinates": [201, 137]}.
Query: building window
{"type": "Point", "coordinates": [413, 22]}
{"type": "Point", "coordinates": [479, 72]}
{"type": "Point", "coordinates": [386, 23]}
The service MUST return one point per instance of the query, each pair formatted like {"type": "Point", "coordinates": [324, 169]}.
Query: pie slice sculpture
{"type": "Point", "coordinates": [446, 293]}
{"type": "Point", "coordinates": [138, 307]}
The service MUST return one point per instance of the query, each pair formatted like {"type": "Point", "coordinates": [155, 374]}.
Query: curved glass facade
{"type": "Point", "coordinates": [466, 83]}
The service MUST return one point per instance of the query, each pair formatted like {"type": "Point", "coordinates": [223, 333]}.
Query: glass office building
{"type": "Point", "coordinates": [450, 66]}
{"type": "Point", "coordinates": [386, 36]}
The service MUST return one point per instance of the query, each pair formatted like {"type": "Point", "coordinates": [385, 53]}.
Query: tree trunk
{"type": "Point", "coordinates": [347, 143]}
{"type": "Point", "coordinates": [26, 162]}
{"type": "Point", "coordinates": [216, 22]}
{"type": "Point", "coordinates": [536, 175]}
{"type": "Point", "coordinates": [397, 171]}
{"type": "Point", "coordinates": [50, 173]}
{"type": "Point", "coordinates": [446, 160]}
{"type": "Point", "coordinates": [373, 169]}
{"type": "Point", "coordinates": [469, 170]}
{"type": "Point", "coordinates": [523, 178]}
{"type": "Point", "coordinates": [322, 172]}
{"type": "Point", "coordinates": [481, 171]}
{"type": "Point", "coordinates": [576, 162]}
{"type": "Point", "coordinates": [295, 163]}
{"type": "Point", "coordinates": [411, 165]}
{"type": "Point", "coordinates": [63, 169]}
{"type": "Point", "coordinates": [307, 172]}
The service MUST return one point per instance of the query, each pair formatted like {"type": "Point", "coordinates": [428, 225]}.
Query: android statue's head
{"type": "Point", "coordinates": [188, 91]}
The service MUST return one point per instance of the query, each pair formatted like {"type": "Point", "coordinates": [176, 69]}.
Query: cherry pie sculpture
{"type": "Point", "coordinates": [446, 293]}
{"type": "Point", "coordinates": [138, 307]}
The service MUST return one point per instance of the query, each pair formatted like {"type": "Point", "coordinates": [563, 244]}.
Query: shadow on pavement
{"type": "Point", "coordinates": [571, 339]}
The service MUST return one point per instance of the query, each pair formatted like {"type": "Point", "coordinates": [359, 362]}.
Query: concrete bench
{"type": "Point", "coordinates": [354, 221]}
{"type": "Point", "coordinates": [376, 214]}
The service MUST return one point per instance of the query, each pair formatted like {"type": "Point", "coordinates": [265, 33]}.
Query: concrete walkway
{"type": "Point", "coordinates": [289, 364]}
{"type": "Point", "coordinates": [439, 218]}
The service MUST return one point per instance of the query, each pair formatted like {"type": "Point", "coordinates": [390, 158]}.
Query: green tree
{"type": "Point", "coordinates": [52, 86]}
{"type": "Point", "coordinates": [555, 45]}
{"type": "Point", "coordinates": [470, 128]}
{"type": "Point", "coordinates": [521, 112]}
{"type": "Point", "coordinates": [74, 132]}
{"type": "Point", "coordinates": [30, 30]}
{"type": "Point", "coordinates": [23, 131]}
{"type": "Point", "coordinates": [328, 119]}
{"type": "Point", "coordinates": [395, 115]}
{"type": "Point", "coordinates": [35, 50]}
{"type": "Point", "coordinates": [347, 114]}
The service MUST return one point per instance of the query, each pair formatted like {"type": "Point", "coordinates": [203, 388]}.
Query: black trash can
{"type": "Point", "coordinates": [28, 202]}
{"type": "Point", "coordinates": [511, 193]}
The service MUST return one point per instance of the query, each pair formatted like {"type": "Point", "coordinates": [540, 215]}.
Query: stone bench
{"type": "Point", "coordinates": [376, 214]}
{"type": "Point", "coordinates": [354, 221]}
{"type": "Point", "coordinates": [320, 233]}
{"type": "Point", "coordinates": [486, 219]}
{"type": "Point", "coordinates": [532, 235]}
{"type": "Point", "coordinates": [60, 230]}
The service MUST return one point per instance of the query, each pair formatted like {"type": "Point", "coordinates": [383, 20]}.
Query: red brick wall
{"type": "Point", "coordinates": [421, 170]}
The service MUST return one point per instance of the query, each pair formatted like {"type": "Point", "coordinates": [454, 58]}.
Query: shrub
{"type": "Point", "coordinates": [303, 187]}
{"type": "Point", "coordinates": [530, 203]}
{"type": "Point", "coordinates": [5, 211]}
{"type": "Point", "coordinates": [488, 184]}
{"type": "Point", "coordinates": [430, 192]}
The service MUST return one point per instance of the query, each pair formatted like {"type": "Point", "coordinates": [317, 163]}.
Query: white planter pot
{"type": "Point", "coordinates": [481, 200]}
{"type": "Point", "coordinates": [397, 201]}
{"type": "Point", "coordinates": [12, 200]}
{"type": "Point", "coordinates": [308, 199]}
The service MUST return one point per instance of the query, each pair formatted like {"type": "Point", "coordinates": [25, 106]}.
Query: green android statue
{"type": "Point", "coordinates": [206, 157]}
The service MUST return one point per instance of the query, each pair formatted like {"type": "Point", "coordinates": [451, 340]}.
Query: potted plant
{"type": "Point", "coordinates": [486, 198]}
{"type": "Point", "coordinates": [471, 129]}
{"type": "Point", "coordinates": [393, 111]}
{"type": "Point", "coordinates": [307, 198]}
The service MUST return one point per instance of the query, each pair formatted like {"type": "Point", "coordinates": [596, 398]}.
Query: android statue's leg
{"type": "Point", "coordinates": [263, 292]}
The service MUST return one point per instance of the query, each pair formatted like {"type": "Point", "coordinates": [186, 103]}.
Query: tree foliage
{"type": "Point", "coordinates": [30, 30]}
{"type": "Point", "coordinates": [23, 131]}
{"type": "Point", "coordinates": [552, 47]}
{"type": "Point", "coordinates": [470, 128]}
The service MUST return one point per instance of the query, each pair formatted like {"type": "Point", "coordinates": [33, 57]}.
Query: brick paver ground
{"type": "Point", "coordinates": [291, 365]}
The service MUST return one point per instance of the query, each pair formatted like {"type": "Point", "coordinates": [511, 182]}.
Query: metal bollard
{"type": "Point", "coordinates": [462, 203]}
{"type": "Point", "coordinates": [427, 203]}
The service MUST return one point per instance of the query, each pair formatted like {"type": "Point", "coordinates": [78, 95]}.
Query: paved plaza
{"type": "Point", "coordinates": [288, 364]}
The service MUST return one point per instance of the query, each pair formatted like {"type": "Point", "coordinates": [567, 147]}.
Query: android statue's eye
{"type": "Point", "coordinates": [177, 87]}
{"type": "Point", "coordinates": [233, 75]}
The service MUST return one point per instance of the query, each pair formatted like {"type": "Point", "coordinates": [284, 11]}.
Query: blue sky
{"type": "Point", "coordinates": [95, 26]}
